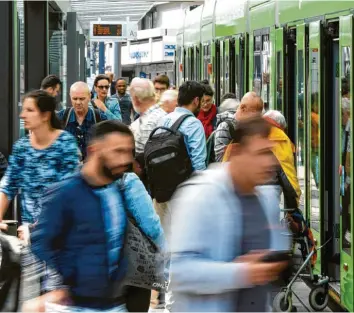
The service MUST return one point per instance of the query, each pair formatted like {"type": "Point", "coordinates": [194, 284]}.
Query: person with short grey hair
{"type": "Point", "coordinates": [168, 100]}
{"type": "Point", "coordinates": [142, 93]}
{"type": "Point", "coordinates": [277, 117]}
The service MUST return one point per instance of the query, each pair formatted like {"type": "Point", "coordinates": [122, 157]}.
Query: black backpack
{"type": "Point", "coordinates": [67, 113]}
{"type": "Point", "coordinates": [167, 161]}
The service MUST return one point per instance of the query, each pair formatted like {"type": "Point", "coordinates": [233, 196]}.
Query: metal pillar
{"type": "Point", "coordinates": [36, 43]}
{"type": "Point", "coordinates": [72, 54]}
{"type": "Point", "coordinates": [82, 57]}
{"type": "Point", "coordinates": [9, 80]}
{"type": "Point", "coordinates": [117, 60]}
{"type": "Point", "coordinates": [101, 58]}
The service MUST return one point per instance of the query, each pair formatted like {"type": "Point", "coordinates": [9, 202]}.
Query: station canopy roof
{"type": "Point", "coordinates": [114, 10]}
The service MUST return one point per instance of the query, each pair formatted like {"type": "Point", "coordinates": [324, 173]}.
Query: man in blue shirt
{"type": "Point", "coordinates": [81, 232]}
{"type": "Point", "coordinates": [189, 97]}
{"type": "Point", "coordinates": [81, 117]}
{"type": "Point", "coordinates": [189, 100]}
{"type": "Point", "coordinates": [125, 102]}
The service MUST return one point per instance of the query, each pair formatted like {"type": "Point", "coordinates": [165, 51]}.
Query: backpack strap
{"type": "Point", "coordinates": [66, 116]}
{"type": "Point", "coordinates": [179, 121]}
{"type": "Point", "coordinates": [231, 126]}
{"type": "Point", "coordinates": [97, 116]}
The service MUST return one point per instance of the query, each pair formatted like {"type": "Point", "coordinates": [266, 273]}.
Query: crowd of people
{"type": "Point", "coordinates": [112, 159]}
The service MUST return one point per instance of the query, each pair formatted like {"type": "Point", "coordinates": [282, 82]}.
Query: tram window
{"type": "Point", "coordinates": [300, 151]}
{"type": "Point", "coordinates": [206, 61]}
{"type": "Point", "coordinates": [257, 43]}
{"type": "Point", "coordinates": [227, 69]}
{"type": "Point", "coordinates": [241, 67]}
{"type": "Point", "coordinates": [237, 83]}
{"type": "Point", "coordinates": [186, 57]}
{"type": "Point", "coordinates": [197, 64]}
{"type": "Point", "coordinates": [222, 68]}
{"type": "Point", "coordinates": [315, 140]}
{"type": "Point", "coordinates": [346, 150]}
{"type": "Point", "coordinates": [265, 71]}
{"type": "Point", "coordinates": [257, 74]}
{"type": "Point", "coordinates": [192, 62]}
{"type": "Point", "coordinates": [279, 81]}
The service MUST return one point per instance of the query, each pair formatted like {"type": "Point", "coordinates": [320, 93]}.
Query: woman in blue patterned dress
{"type": "Point", "coordinates": [37, 161]}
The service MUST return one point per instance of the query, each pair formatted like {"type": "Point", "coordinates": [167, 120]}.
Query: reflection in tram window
{"type": "Point", "coordinates": [261, 68]}
{"type": "Point", "coordinates": [265, 71]}
{"type": "Point", "coordinates": [315, 162]}
{"type": "Point", "coordinates": [346, 150]}
{"type": "Point", "coordinates": [257, 70]}
{"type": "Point", "coordinates": [279, 81]}
{"type": "Point", "coordinates": [237, 83]}
{"type": "Point", "coordinates": [300, 152]}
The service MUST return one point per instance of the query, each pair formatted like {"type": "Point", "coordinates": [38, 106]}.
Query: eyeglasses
{"type": "Point", "coordinates": [103, 87]}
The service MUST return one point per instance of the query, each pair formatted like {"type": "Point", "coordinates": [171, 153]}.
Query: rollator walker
{"type": "Point", "coordinates": [304, 256]}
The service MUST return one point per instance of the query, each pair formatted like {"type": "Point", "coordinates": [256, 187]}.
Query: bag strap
{"type": "Point", "coordinates": [231, 126]}
{"type": "Point", "coordinates": [121, 187]}
{"type": "Point", "coordinates": [67, 114]}
{"type": "Point", "coordinates": [97, 116]}
{"type": "Point", "coordinates": [179, 121]}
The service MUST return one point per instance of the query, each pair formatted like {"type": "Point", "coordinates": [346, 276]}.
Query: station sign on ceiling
{"type": "Point", "coordinates": [113, 31]}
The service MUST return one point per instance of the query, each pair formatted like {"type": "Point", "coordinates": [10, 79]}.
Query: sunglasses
{"type": "Point", "coordinates": [103, 87]}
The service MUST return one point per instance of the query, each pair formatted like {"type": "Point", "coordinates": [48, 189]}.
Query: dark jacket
{"type": "Point", "coordinates": [71, 235]}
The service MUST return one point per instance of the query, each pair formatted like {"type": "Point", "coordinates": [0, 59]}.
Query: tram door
{"type": "Point", "coordinates": [346, 172]}
{"type": "Point", "coordinates": [315, 138]}
{"type": "Point", "coordinates": [279, 58]}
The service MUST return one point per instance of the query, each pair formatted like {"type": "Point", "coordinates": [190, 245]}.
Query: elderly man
{"type": "Point", "coordinates": [142, 93]}
{"type": "Point", "coordinates": [250, 103]}
{"type": "Point", "coordinates": [168, 101]}
{"type": "Point", "coordinates": [79, 119]}
{"type": "Point", "coordinates": [283, 150]}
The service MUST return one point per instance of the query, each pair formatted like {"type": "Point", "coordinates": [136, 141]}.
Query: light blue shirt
{"type": "Point", "coordinates": [113, 111]}
{"type": "Point", "coordinates": [206, 238]}
{"type": "Point", "coordinates": [194, 136]}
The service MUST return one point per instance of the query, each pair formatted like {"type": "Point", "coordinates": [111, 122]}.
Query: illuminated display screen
{"type": "Point", "coordinates": [107, 30]}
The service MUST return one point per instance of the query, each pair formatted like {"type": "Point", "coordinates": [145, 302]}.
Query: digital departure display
{"type": "Point", "coordinates": [107, 30]}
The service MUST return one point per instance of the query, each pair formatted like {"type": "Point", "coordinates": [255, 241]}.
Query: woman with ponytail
{"type": "Point", "coordinates": [38, 160]}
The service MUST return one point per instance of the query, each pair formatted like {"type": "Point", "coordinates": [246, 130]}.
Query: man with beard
{"type": "Point", "coordinates": [82, 228]}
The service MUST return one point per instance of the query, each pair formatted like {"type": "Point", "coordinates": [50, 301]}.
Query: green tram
{"type": "Point", "coordinates": [297, 56]}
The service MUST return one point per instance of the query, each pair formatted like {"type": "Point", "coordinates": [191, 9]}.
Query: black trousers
{"type": "Point", "coordinates": [137, 299]}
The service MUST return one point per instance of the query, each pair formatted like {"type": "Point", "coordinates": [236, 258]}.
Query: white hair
{"type": "Point", "coordinates": [80, 85]}
{"type": "Point", "coordinates": [142, 88]}
{"type": "Point", "coordinates": [346, 104]}
{"type": "Point", "coordinates": [229, 104]}
{"type": "Point", "coordinates": [276, 116]}
{"type": "Point", "coordinates": [169, 95]}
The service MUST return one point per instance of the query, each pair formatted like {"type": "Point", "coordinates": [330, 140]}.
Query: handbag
{"type": "Point", "coordinates": [145, 261]}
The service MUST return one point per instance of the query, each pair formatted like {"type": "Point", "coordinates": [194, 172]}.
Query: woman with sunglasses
{"type": "Point", "coordinates": [109, 105]}
{"type": "Point", "coordinates": [37, 161]}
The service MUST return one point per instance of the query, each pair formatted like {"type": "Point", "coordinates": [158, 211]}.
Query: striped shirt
{"type": "Point", "coordinates": [144, 125]}
{"type": "Point", "coordinates": [222, 135]}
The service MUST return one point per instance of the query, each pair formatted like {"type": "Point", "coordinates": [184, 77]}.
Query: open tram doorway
{"type": "Point", "coordinates": [332, 134]}
{"type": "Point", "coordinates": [336, 169]}
{"type": "Point", "coordinates": [323, 140]}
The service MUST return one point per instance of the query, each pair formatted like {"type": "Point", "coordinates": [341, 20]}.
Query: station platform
{"type": "Point", "coordinates": [300, 289]}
